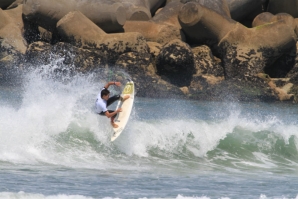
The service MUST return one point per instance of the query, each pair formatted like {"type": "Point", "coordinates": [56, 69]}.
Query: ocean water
{"type": "Point", "coordinates": [53, 146]}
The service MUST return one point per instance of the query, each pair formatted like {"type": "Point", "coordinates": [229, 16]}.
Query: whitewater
{"type": "Point", "coordinates": [53, 145]}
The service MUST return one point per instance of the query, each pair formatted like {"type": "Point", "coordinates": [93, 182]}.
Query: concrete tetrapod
{"type": "Point", "coordinates": [244, 51]}
{"type": "Point", "coordinates": [140, 10]}
{"type": "Point", "coordinates": [11, 27]}
{"type": "Point", "coordinates": [80, 31]}
{"type": "Point", "coordinates": [200, 23]}
{"type": "Point", "coordinates": [220, 6]}
{"type": "Point", "coordinates": [267, 17]}
{"type": "Point", "coordinates": [262, 19]}
{"type": "Point", "coordinates": [287, 6]}
{"type": "Point", "coordinates": [4, 19]}
{"type": "Point", "coordinates": [169, 14]}
{"type": "Point", "coordinates": [136, 10]}
{"type": "Point", "coordinates": [5, 3]}
{"type": "Point", "coordinates": [245, 9]}
{"type": "Point", "coordinates": [154, 5]}
{"type": "Point", "coordinates": [107, 15]}
{"type": "Point", "coordinates": [162, 28]}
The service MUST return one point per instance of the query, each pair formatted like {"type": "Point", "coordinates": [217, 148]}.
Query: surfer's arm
{"type": "Point", "coordinates": [112, 83]}
{"type": "Point", "coordinates": [109, 115]}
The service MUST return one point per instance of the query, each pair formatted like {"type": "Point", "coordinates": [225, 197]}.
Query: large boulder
{"type": "Point", "coordinates": [139, 66]}
{"type": "Point", "coordinates": [252, 89]}
{"type": "Point", "coordinates": [209, 73]}
{"type": "Point", "coordinates": [72, 59]}
{"type": "Point", "coordinates": [280, 87]}
{"type": "Point", "coordinates": [206, 62]}
{"type": "Point", "coordinates": [175, 63]}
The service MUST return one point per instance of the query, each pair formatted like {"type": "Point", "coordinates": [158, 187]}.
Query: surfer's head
{"type": "Point", "coordinates": [104, 93]}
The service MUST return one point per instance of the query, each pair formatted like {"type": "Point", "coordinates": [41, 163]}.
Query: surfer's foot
{"type": "Point", "coordinates": [124, 98]}
{"type": "Point", "coordinates": [114, 125]}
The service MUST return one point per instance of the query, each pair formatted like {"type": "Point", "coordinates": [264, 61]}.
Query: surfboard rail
{"type": "Point", "coordinates": [123, 116]}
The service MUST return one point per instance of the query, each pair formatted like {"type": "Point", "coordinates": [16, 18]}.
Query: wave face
{"type": "Point", "coordinates": [50, 121]}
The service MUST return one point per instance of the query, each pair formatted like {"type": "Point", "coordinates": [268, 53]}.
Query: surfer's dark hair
{"type": "Point", "coordinates": [104, 92]}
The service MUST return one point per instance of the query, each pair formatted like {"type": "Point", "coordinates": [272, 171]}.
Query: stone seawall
{"type": "Point", "coordinates": [193, 49]}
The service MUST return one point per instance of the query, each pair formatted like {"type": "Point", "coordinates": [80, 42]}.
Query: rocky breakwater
{"type": "Point", "coordinates": [194, 49]}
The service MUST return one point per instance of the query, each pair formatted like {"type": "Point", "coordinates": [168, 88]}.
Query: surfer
{"type": "Point", "coordinates": [104, 100]}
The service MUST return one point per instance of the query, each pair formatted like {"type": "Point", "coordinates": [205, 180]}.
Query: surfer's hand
{"type": "Point", "coordinates": [119, 110]}
{"type": "Point", "coordinates": [117, 83]}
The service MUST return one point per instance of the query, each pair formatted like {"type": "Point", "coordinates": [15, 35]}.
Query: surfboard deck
{"type": "Point", "coordinates": [123, 116]}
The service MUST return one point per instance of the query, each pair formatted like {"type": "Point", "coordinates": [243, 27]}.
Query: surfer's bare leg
{"type": "Point", "coordinates": [113, 123]}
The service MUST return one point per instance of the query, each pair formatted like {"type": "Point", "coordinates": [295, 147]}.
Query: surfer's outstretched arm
{"type": "Point", "coordinates": [112, 83]}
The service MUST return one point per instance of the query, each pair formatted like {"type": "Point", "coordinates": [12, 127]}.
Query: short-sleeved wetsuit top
{"type": "Point", "coordinates": [100, 104]}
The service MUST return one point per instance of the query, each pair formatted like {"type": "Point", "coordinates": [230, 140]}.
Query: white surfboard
{"type": "Point", "coordinates": [123, 116]}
